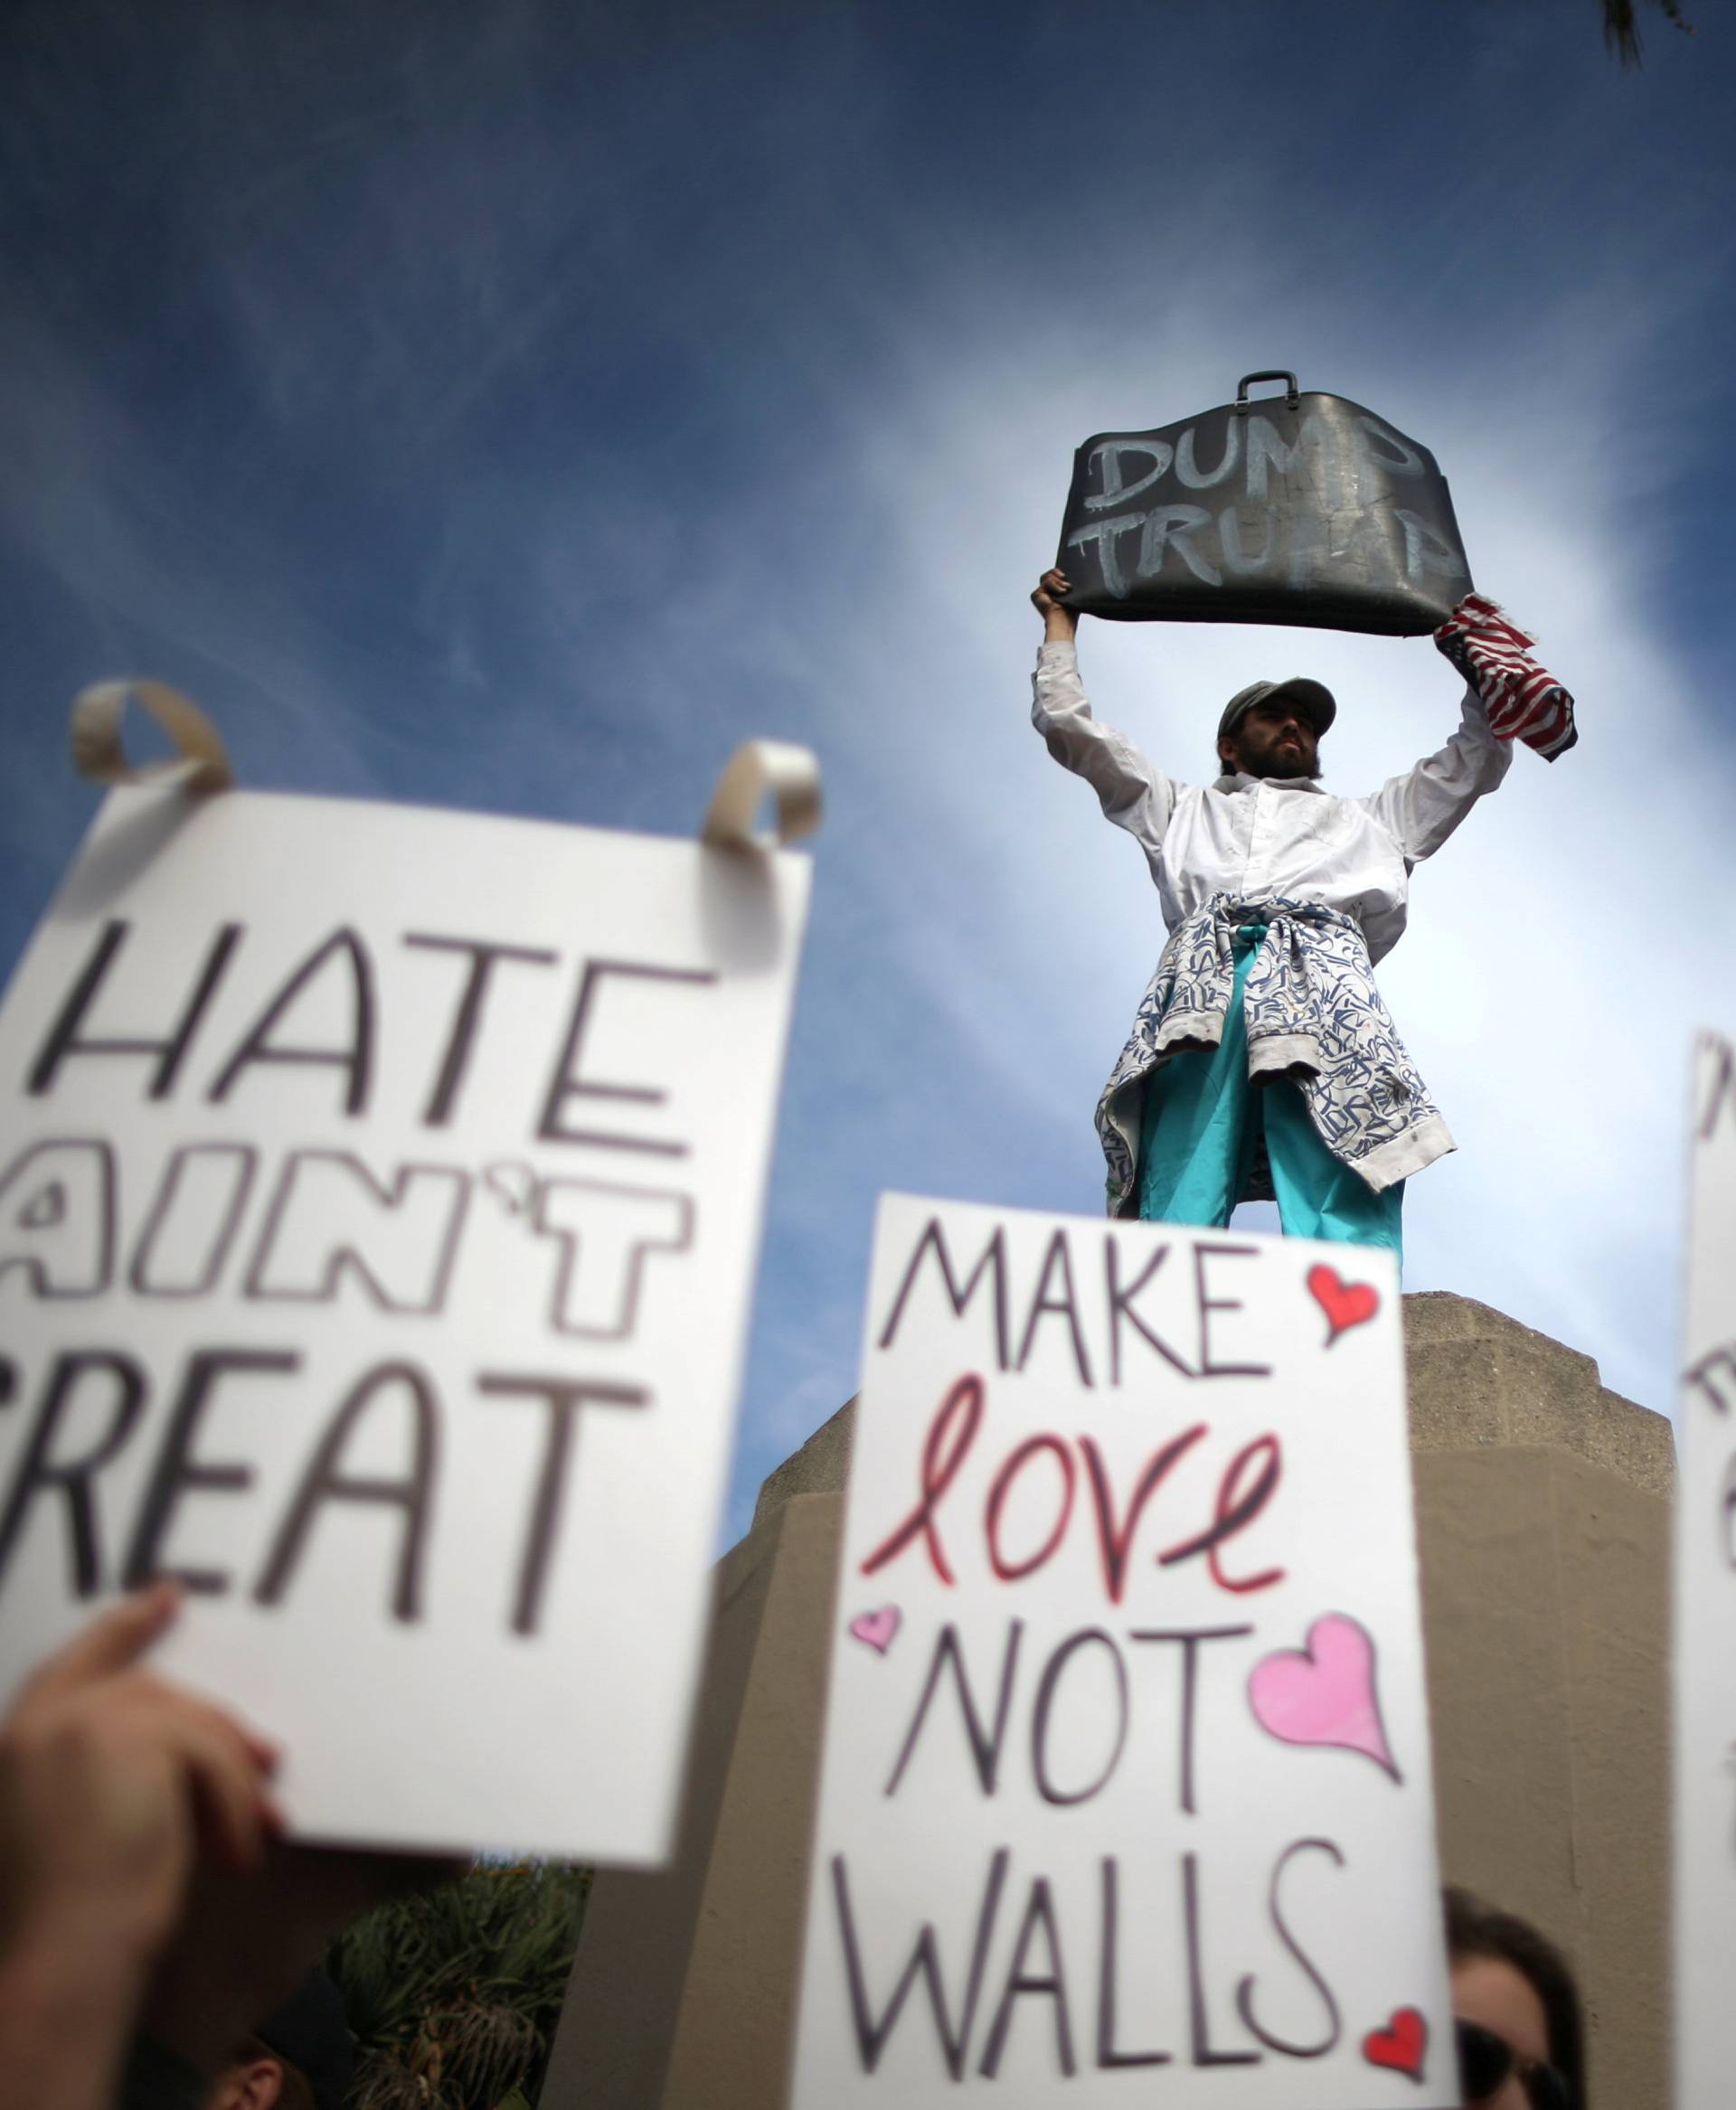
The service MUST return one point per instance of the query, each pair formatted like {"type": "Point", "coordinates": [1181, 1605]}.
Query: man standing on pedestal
{"type": "Point", "coordinates": [1262, 1063]}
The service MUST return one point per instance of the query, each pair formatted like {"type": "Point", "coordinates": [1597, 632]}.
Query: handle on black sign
{"type": "Point", "coordinates": [1270, 373]}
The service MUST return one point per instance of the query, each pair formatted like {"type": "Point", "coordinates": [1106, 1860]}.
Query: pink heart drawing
{"type": "Point", "coordinates": [1324, 1694]}
{"type": "Point", "coordinates": [876, 1629]}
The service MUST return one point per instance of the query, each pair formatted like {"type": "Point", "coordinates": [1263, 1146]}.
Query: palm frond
{"type": "Point", "coordinates": [454, 1995]}
{"type": "Point", "coordinates": [1621, 26]}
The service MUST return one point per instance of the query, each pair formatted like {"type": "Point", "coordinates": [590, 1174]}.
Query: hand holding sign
{"type": "Point", "coordinates": [144, 1878]}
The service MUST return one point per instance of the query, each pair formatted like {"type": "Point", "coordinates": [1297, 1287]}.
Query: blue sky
{"type": "Point", "coordinates": [517, 406]}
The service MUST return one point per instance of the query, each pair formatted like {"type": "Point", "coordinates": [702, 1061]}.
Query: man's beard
{"type": "Point", "coordinates": [1283, 763]}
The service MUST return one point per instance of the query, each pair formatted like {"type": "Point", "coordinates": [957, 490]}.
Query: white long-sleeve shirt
{"type": "Point", "coordinates": [1257, 838]}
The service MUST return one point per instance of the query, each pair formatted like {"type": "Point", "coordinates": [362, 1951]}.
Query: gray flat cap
{"type": "Point", "coordinates": [1314, 697]}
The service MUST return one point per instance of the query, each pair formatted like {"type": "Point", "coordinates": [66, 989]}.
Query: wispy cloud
{"type": "Point", "coordinates": [518, 408]}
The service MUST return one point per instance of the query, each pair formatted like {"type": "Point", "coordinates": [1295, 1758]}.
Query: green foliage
{"type": "Point", "coordinates": [453, 1995]}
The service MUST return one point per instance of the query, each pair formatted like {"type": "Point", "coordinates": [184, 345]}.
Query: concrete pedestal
{"type": "Point", "coordinates": [1543, 1512]}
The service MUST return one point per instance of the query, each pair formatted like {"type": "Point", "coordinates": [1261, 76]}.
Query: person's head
{"type": "Point", "coordinates": [1515, 2009]}
{"type": "Point", "coordinates": [259, 2079]}
{"type": "Point", "coordinates": [300, 2058]}
{"type": "Point", "coordinates": [1273, 728]}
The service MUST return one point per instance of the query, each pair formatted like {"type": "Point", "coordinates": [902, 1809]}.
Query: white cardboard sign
{"type": "Point", "coordinates": [1705, 1600]}
{"type": "Point", "coordinates": [379, 1199]}
{"type": "Point", "coordinates": [1127, 1789]}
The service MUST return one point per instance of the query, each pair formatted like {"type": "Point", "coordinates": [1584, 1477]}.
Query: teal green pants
{"type": "Point", "coordinates": [1202, 1126]}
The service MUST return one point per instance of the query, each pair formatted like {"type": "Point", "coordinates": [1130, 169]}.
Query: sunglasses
{"type": "Point", "coordinates": [1484, 2061]}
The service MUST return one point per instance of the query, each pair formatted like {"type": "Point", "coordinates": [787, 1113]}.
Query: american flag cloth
{"type": "Point", "coordinates": [1524, 702]}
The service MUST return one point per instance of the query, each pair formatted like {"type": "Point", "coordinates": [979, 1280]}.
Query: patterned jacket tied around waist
{"type": "Point", "coordinates": [1313, 1016]}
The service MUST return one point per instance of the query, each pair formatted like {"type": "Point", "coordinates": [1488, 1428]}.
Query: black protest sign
{"type": "Point", "coordinates": [378, 1216]}
{"type": "Point", "coordinates": [1301, 508]}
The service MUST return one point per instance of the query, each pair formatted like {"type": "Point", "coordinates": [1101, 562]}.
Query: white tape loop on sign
{"type": "Point", "coordinates": [789, 773]}
{"type": "Point", "coordinates": [99, 753]}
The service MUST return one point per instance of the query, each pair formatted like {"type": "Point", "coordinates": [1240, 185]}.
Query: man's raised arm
{"type": "Point", "coordinates": [1422, 808]}
{"type": "Point", "coordinates": [1132, 794]}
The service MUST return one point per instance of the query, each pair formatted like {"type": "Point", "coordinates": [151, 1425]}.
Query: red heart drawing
{"type": "Point", "coordinates": [875, 1630]}
{"type": "Point", "coordinates": [1346, 1304]}
{"type": "Point", "coordinates": [1400, 2045]}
